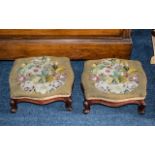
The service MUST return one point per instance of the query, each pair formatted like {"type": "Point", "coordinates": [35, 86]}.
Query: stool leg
{"type": "Point", "coordinates": [86, 109]}
{"type": "Point", "coordinates": [13, 105]}
{"type": "Point", "coordinates": [68, 104]}
{"type": "Point", "coordinates": [141, 107]}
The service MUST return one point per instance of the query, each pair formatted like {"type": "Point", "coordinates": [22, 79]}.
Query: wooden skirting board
{"type": "Point", "coordinates": [73, 43]}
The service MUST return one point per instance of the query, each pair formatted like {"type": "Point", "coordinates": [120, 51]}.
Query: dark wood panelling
{"type": "Point", "coordinates": [71, 43]}
{"type": "Point", "coordinates": [59, 33]}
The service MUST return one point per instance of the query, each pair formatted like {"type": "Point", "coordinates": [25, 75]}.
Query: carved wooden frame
{"type": "Point", "coordinates": [88, 103]}
{"type": "Point", "coordinates": [66, 100]}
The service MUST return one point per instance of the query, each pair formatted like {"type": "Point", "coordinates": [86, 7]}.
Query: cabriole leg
{"type": "Point", "coordinates": [68, 104]}
{"type": "Point", "coordinates": [86, 107]}
{"type": "Point", "coordinates": [13, 105]}
{"type": "Point", "coordinates": [141, 107]}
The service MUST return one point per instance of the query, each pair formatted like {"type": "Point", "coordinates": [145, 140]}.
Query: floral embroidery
{"type": "Point", "coordinates": [114, 76]}
{"type": "Point", "coordinates": [41, 75]}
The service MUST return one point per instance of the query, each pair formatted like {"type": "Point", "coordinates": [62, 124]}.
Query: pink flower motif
{"type": "Point", "coordinates": [35, 70]}
{"type": "Point", "coordinates": [21, 78]}
{"type": "Point", "coordinates": [107, 71]}
{"type": "Point", "coordinates": [95, 78]}
{"type": "Point", "coordinates": [135, 78]}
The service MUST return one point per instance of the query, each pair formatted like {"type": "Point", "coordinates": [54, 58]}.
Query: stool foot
{"type": "Point", "coordinates": [141, 109]}
{"type": "Point", "coordinates": [13, 105]}
{"type": "Point", "coordinates": [86, 109]}
{"type": "Point", "coordinates": [68, 104]}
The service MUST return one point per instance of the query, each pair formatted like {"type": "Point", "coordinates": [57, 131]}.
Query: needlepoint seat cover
{"type": "Point", "coordinates": [114, 80]}
{"type": "Point", "coordinates": [41, 78]}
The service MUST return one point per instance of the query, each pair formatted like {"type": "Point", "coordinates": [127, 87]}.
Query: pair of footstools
{"type": "Point", "coordinates": [111, 82]}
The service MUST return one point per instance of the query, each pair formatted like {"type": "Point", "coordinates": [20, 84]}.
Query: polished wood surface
{"type": "Point", "coordinates": [67, 100]}
{"type": "Point", "coordinates": [58, 33]}
{"type": "Point", "coordinates": [73, 43]}
{"type": "Point", "coordinates": [89, 103]}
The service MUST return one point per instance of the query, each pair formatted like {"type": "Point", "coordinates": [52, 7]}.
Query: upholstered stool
{"type": "Point", "coordinates": [114, 83]}
{"type": "Point", "coordinates": [41, 80]}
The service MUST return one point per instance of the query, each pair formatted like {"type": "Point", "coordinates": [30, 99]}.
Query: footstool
{"type": "Point", "coordinates": [114, 83]}
{"type": "Point", "coordinates": [41, 80]}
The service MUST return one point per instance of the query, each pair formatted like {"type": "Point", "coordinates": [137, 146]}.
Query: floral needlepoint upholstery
{"type": "Point", "coordinates": [41, 78]}
{"type": "Point", "coordinates": [114, 80]}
